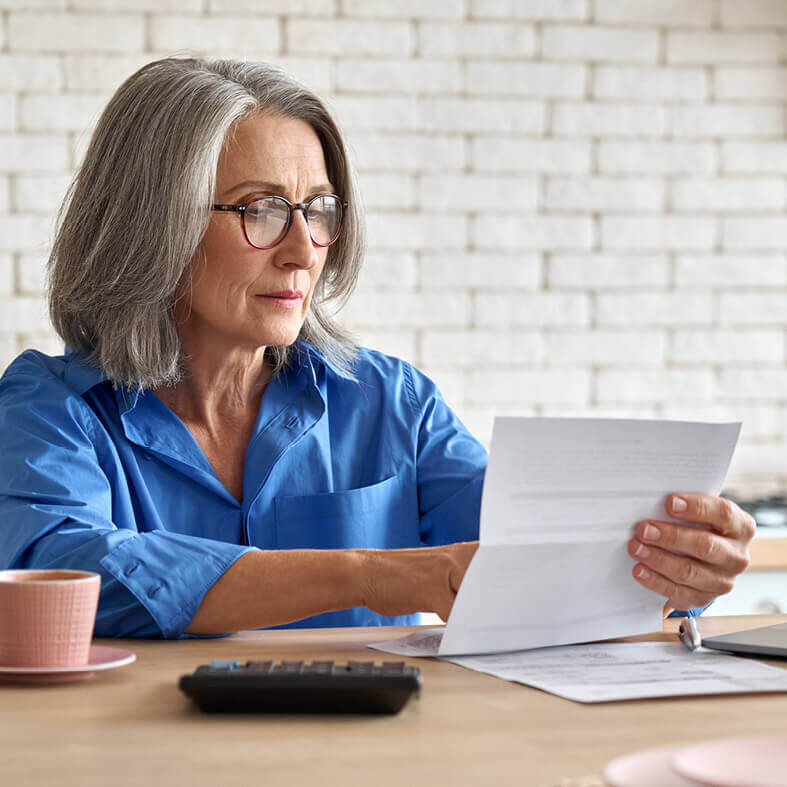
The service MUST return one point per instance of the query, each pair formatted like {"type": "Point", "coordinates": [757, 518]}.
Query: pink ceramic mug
{"type": "Point", "coordinates": [47, 617]}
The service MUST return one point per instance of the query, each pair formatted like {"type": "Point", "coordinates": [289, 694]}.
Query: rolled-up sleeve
{"type": "Point", "coordinates": [450, 467]}
{"type": "Point", "coordinates": [59, 508]}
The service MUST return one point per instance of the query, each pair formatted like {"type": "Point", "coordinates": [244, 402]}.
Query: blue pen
{"type": "Point", "coordinates": [689, 635]}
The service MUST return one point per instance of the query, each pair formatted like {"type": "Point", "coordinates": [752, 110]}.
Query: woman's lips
{"type": "Point", "coordinates": [283, 299]}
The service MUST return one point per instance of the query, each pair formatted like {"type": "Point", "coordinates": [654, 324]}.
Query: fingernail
{"type": "Point", "coordinates": [642, 572]}
{"type": "Point", "coordinates": [651, 533]}
{"type": "Point", "coordinates": [679, 504]}
{"type": "Point", "coordinates": [642, 551]}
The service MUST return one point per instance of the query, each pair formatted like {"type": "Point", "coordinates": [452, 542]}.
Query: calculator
{"type": "Point", "coordinates": [298, 687]}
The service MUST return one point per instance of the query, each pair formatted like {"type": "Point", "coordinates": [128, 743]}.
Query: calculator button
{"type": "Point", "coordinates": [221, 665]}
{"type": "Point", "coordinates": [259, 666]}
{"type": "Point", "coordinates": [320, 668]}
{"type": "Point", "coordinates": [289, 667]}
{"type": "Point", "coordinates": [393, 667]}
{"type": "Point", "coordinates": [205, 669]}
{"type": "Point", "coordinates": [360, 667]}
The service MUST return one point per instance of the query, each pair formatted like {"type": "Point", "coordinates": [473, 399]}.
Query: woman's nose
{"type": "Point", "coordinates": [297, 247]}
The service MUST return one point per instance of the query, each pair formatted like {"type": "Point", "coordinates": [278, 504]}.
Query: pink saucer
{"type": "Point", "coordinates": [736, 762]}
{"type": "Point", "coordinates": [100, 658]}
{"type": "Point", "coordinates": [648, 768]}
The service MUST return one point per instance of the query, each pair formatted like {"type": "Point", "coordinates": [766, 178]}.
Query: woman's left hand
{"type": "Point", "coordinates": [708, 560]}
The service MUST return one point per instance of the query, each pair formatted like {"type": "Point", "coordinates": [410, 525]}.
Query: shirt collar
{"type": "Point", "coordinates": [318, 355]}
{"type": "Point", "coordinates": [81, 375]}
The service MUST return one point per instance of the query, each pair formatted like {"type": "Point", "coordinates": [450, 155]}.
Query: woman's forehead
{"type": "Point", "coordinates": [273, 149]}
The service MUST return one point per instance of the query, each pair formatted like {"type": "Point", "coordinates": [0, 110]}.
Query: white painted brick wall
{"type": "Point", "coordinates": [766, 158]}
{"type": "Point", "coordinates": [650, 83]}
{"type": "Point", "coordinates": [728, 120]}
{"type": "Point", "coordinates": [728, 194]}
{"type": "Point", "coordinates": [586, 119]}
{"type": "Point", "coordinates": [399, 75]}
{"type": "Point", "coordinates": [72, 112]}
{"type": "Point", "coordinates": [755, 232]}
{"type": "Point", "coordinates": [482, 115]}
{"type": "Point", "coordinates": [480, 192]}
{"type": "Point", "coordinates": [658, 232]}
{"type": "Point", "coordinates": [470, 349]}
{"type": "Point", "coordinates": [751, 83]}
{"type": "Point", "coordinates": [480, 271]}
{"type": "Point", "coordinates": [657, 158]}
{"type": "Point", "coordinates": [753, 309]}
{"type": "Point", "coordinates": [6, 275]}
{"type": "Point", "coordinates": [509, 154]}
{"type": "Point", "coordinates": [648, 308]}
{"type": "Point", "coordinates": [730, 271]}
{"type": "Point", "coordinates": [345, 37]}
{"type": "Point", "coordinates": [230, 35]}
{"type": "Point", "coordinates": [575, 207]}
{"type": "Point", "coordinates": [727, 347]}
{"type": "Point", "coordinates": [476, 39]}
{"type": "Point", "coordinates": [678, 13]}
{"type": "Point", "coordinates": [543, 10]}
{"type": "Point", "coordinates": [63, 32]}
{"type": "Point", "coordinates": [598, 44]}
{"type": "Point", "coordinates": [526, 309]}
{"type": "Point", "coordinates": [532, 232]}
{"type": "Point", "coordinates": [588, 347]}
{"type": "Point", "coordinates": [545, 80]}
{"type": "Point", "coordinates": [753, 13]}
{"type": "Point", "coordinates": [608, 271]}
{"type": "Point", "coordinates": [649, 386]}
{"type": "Point", "coordinates": [724, 47]}
{"type": "Point", "coordinates": [599, 194]}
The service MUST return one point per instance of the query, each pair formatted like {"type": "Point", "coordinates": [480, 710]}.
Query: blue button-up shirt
{"type": "Point", "coordinates": [112, 481]}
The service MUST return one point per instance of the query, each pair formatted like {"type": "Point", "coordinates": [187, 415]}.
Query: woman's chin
{"type": "Point", "coordinates": [278, 338]}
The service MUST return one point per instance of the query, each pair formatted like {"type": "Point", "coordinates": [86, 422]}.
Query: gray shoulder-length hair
{"type": "Point", "coordinates": [136, 212]}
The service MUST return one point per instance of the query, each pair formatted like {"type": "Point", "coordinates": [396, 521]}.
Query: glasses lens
{"type": "Point", "coordinates": [266, 221]}
{"type": "Point", "coordinates": [324, 215]}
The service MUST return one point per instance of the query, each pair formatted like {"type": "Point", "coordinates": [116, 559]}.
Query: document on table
{"type": "Point", "coordinates": [610, 671]}
{"type": "Point", "coordinates": [561, 497]}
{"type": "Point", "coordinates": [629, 670]}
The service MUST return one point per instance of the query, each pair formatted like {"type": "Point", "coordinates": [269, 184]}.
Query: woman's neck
{"type": "Point", "coordinates": [219, 384]}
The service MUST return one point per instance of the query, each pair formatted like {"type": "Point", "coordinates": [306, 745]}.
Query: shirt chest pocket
{"type": "Point", "coordinates": [381, 516]}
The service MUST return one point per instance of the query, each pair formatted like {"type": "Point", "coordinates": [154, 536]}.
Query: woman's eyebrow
{"type": "Point", "coordinates": [276, 188]}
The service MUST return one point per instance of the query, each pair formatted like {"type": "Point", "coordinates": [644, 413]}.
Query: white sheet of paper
{"type": "Point", "coordinates": [560, 499]}
{"type": "Point", "coordinates": [623, 671]}
{"type": "Point", "coordinates": [603, 672]}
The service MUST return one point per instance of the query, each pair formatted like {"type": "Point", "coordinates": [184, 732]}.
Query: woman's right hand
{"type": "Point", "coordinates": [404, 581]}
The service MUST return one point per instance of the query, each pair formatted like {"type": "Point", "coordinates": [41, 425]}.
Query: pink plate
{"type": "Point", "coordinates": [100, 658]}
{"type": "Point", "coordinates": [649, 768]}
{"type": "Point", "coordinates": [736, 762]}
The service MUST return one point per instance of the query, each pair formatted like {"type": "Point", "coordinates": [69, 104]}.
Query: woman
{"type": "Point", "coordinates": [212, 444]}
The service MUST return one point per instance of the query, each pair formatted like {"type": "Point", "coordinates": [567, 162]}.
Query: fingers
{"type": "Point", "coordinates": [421, 579]}
{"type": "Point", "coordinates": [459, 555]}
{"type": "Point", "coordinates": [681, 570]}
{"type": "Point", "coordinates": [464, 552]}
{"type": "Point", "coordinates": [692, 565]}
{"type": "Point", "coordinates": [724, 516]}
{"type": "Point", "coordinates": [678, 596]}
{"type": "Point", "coordinates": [704, 545]}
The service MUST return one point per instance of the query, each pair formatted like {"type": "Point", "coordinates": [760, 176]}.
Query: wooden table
{"type": "Point", "coordinates": [132, 726]}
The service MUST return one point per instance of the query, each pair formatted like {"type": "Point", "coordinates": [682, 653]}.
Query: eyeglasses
{"type": "Point", "coordinates": [267, 220]}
